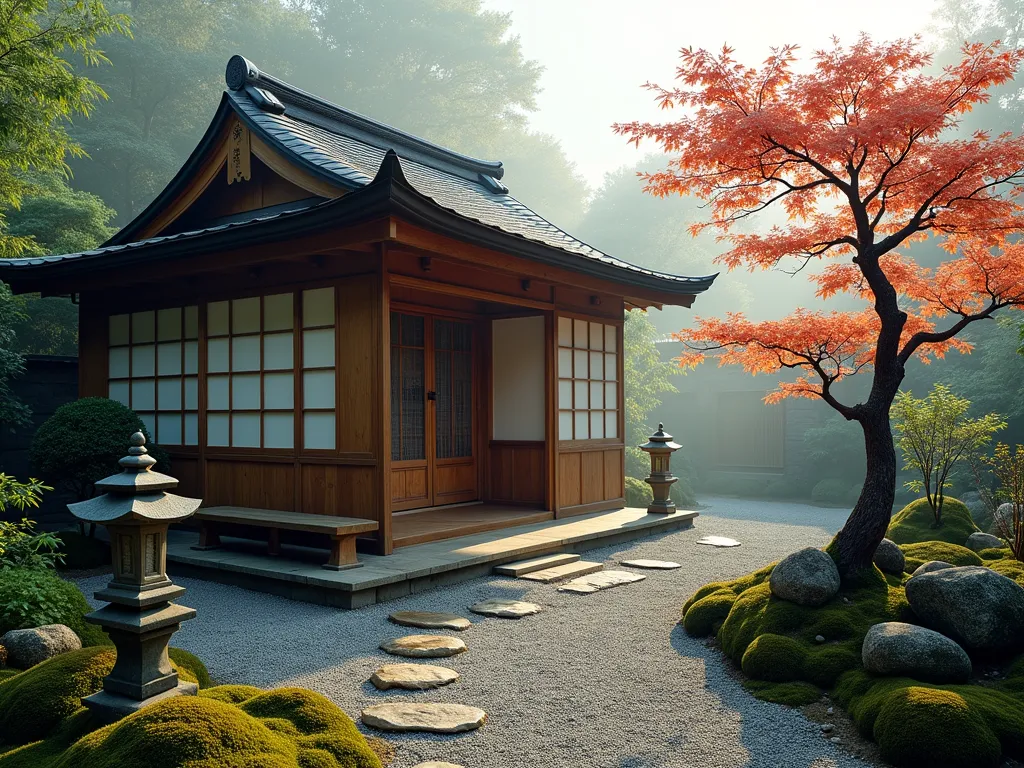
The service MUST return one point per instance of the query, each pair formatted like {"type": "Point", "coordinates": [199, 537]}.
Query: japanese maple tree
{"type": "Point", "coordinates": [862, 154]}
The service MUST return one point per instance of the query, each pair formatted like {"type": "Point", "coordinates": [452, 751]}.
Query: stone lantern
{"type": "Point", "coordinates": [660, 447]}
{"type": "Point", "coordinates": [140, 618]}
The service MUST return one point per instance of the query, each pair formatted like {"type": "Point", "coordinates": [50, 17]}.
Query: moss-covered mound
{"type": "Point", "coordinates": [916, 522]}
{"type": "Point", "coordinates": [43, 725]}
{"type": "Point", "coordinates": [918, 725]}
{"type": "Point", "coordinates": [704, 613]}
{"type": "Point", "coordinates": [923, 551]}
{"type": "Point", "coordinates": [1012, 569]}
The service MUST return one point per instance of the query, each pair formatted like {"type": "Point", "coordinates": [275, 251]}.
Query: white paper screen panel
{"type": "Point", "coordinates": [518, 378]}
{"type": "Point", "coordinates": [588, 365]}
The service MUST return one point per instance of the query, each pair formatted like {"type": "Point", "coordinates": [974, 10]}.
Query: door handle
{"type": "Point", "coordinates": [431, 395]}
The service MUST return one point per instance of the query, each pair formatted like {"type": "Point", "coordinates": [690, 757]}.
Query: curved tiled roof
{"type": "Point", "coordinates": [347, 149]}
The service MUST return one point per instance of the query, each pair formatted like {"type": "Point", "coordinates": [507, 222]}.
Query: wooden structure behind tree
{"type": "Point", "coordinates": [323, 314]}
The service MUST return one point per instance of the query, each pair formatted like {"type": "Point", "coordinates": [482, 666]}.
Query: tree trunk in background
{"type": "Point", "coordinates": [854, 546]}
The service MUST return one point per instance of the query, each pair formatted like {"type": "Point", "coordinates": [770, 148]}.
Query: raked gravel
{"type": "Point", "coordinates": [606, 680]}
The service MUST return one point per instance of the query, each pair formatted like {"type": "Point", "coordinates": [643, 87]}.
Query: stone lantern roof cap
{"type": "Point", "coordinates": [136, 493]}
{"type": "Point", "coordinates": [660, 440]}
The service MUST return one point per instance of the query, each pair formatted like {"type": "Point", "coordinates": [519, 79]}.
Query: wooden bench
{"type": "Point", "coordinates": [342, 530]}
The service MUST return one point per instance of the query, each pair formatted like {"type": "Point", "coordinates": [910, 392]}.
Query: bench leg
{"type": "Point", "coordinates": [343, 554]}
{"type": "Point", "coordinates": [274, 542]}
{"type": "Point", "coordinates": [208, 537]}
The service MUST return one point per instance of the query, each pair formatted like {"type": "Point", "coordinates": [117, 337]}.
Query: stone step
{"type": "Point", "coordinates": [567, 571]}
{"type": "Point", "coordinates": [536, 564]}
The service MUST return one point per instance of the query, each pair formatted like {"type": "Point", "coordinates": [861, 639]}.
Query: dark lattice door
{"type": "Point", "coordinates": [410, 468]}
{"type": "Point", "coordinates": [454, 465]}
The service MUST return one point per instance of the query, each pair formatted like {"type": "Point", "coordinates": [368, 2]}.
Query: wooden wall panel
{"type": "Point", "coordinates": [92, 347]}
{"type": "Point", "coordinates": [356, 379]}
{"type": "Point", "coordinates": [408, 485]}
{"type": "Point", "coordinates": [186, 469]}
{"type": "Point", "coordinates": [614, 474]}
{"type": "Point", "coordinates": [454, 479]}
{"type": "Point", "coordinates": [592, 480]}
{"type": "Point", "coordinates": [345, 491]}
{"type": "Point", "coordinates": [261, 485]}
{"type": "Point", "coordinates": [517, 473]}
{"type": "Point", "coordinates": [589, 479]}
{"type": "Point", "coordinates": [569, 476]}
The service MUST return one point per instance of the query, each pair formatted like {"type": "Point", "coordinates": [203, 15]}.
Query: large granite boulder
{"type": "Point", "coordinates": [889, 557]}
{"type": "Point", "coordinates": [1003, 517]}
{"type": "Point", "coordinates": [975, 606]}
{"type": "Point", "coordinates": [930, 566]}
{"type": "Point", "coordinates": [806, 577]}
{"type": "Point", "coordinates": [979, 541]}
{"type": "Point", "coordinates": [899, 650]}
{"type": "Point", "coordinates": [28, 647]}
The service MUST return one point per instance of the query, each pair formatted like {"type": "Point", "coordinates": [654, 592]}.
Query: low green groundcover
{"type": "Point", "coordinates": [43, 725]}
{"type": "Point", "coordinates": [916, 522]}
{"type": "Point", "coordinates": [915, 724]}
{"type": "Point", "coordinates": [31, 597]}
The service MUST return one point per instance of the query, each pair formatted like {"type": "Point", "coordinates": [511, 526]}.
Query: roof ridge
{"type": "Point", "coordinates": [242, 75]}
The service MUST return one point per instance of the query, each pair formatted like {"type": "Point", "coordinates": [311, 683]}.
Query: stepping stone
{"type": "Point", "coordinates": [430, 620]}
{"type": "Point", "coordinates": [428, 718]}
{"type": "Point", "coordinates": [598, 581]}
{"type": "Point", "coordinates": [652, 565]}
{"type": "Point", "coordinates": [424, 646]}
{"type": "Point", "coordinates": [562, 572]}
{"type": "Point", "coordinates": [536, 564]}
{"type": "Point", "coordinates": [718, 541]}
{"type": "Point", "coordinates": [412, 677]}
{"type": "Point", "coordinates": [505, 609]}
{"type": "Point", "coordinates": [435, 764]}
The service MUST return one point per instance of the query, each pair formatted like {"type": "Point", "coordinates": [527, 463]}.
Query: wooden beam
{"type": "Point", "coordinates": [287, 170]}
{"type": "Point", "coordinates": [470, 293]}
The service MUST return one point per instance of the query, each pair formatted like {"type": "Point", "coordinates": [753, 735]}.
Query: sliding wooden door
{"type": "Point", "coordinates": [433, 457]}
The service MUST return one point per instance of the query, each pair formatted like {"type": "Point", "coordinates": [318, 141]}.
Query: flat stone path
{"type": "Point", "coordinates": [430, 620]}
{"type": "Point", "coordinates": [653, 565]}
{"type": "Point", "coordinates": [505, 609]}
{"type": "Point", "coordinates": [412, 677]}
{"type": "Point", "coordinates": [424, 717]}
{"type": "Point", "coordinates": [595, 582]}
{"type": "Point", "coordinates": [602, 680]}
{"type": "Point", "coordinates": [424, 646]}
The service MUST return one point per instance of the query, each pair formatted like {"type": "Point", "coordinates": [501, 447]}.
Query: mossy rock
{"type": "Point", "coordinates": [916, 523]}
{"type": "Point", "coordinates": [283, 728]}
{"type": "Point", "coordinates": [82, 552]}
{"type": "Point", "coordinates": [791, 694]}
{"type": "Point", "coordinates": [918, 725]}
{"type": "Point", "coordinates": [921, 552]}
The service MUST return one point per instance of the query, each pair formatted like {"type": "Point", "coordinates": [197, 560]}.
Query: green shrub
{"type": "Point", "coordinates": [790, 694]}
{"type": "Point", "coordinates": [83, 441]}
{"type": "Point", "coordinates": [22, 546]}
{"type": "Point", "coordinates": [638, 493]}
{"type": "Point", "coordinates": [954, 554]}
{"type": "Point", "coordinates": [916, 523]}
{"type": "Point", "coordinates": [82, 552]}
{"type": "Point", "coordinates": [190, 663]}
{"type": "Point", "coordinates": [31, 597]}
{"type": "Point", "coordinates": [774, 658]}
{"type": "Point", "coordinates": [831, 491]}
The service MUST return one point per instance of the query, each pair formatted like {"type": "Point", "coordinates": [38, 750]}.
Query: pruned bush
{"type": "Point", "coordinates": [916, 523]}
{"type": "Point", "coordinates": [82, 442]}
{"type": "Point", "coordinates": [32, 597]}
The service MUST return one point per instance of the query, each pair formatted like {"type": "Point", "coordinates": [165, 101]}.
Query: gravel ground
{"type": "Point", "coordinates": [607, 680]}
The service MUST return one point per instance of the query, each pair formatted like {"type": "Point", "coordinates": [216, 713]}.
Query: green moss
{"type": "Point", "coordinates": [736, 586]}
{"type": "Point", "coordinates": [1012, 569]}
{"type": "Point", "coordinates": [916, 523]}
{"type": "Point", "coordinates": [995, 553]}
{"type": "Point", "coordinates": [232, 694]}
{"type": "Point", "coordinates": [926, 727]}
{"type": "Point", "coordinates": [43, 725]}
{"type": "Point", "coordinates": [705, 616]}
{"type": "Point", "coordinates": [918, 724]}
{"type": "Point", "coordinates": [824, 665]}
{"type": "Point", "coordinates": [921, 552]}
{"type": "Point", "coordinates": [774, 658]}
{"type": "Point", "coordinates": [33, 703]}
{"type": "Point", "coordinates": [82, 552]}
{"type": "Point", "coordinates": [190, 663]}
{"type": "Point", "coordinates": [790, 694]}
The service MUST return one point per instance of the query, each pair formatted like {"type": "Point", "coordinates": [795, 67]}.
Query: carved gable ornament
{"type": "Point", "coordinates": [238, 154]}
